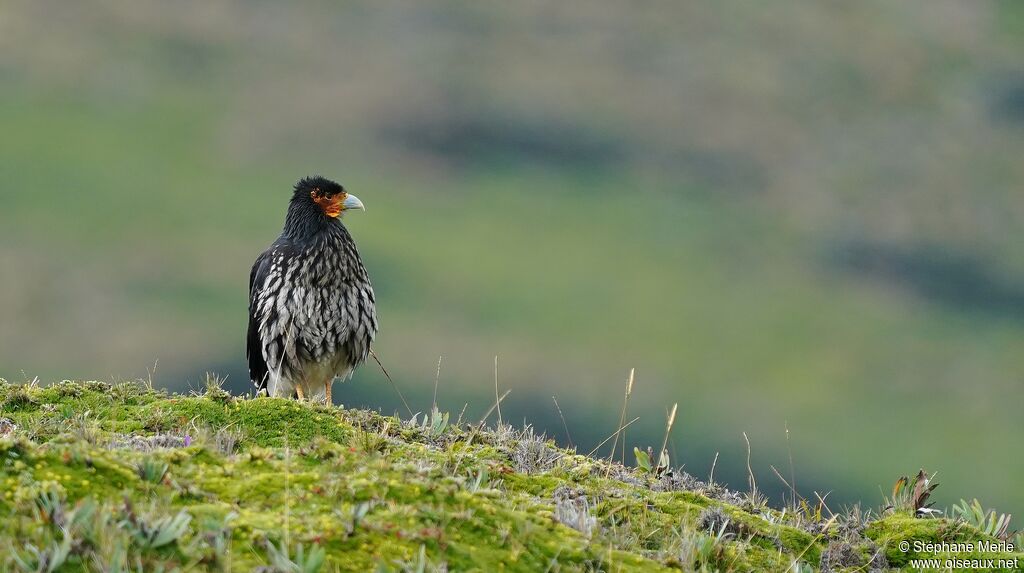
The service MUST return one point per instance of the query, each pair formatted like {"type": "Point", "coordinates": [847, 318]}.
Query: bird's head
{"type": "Point", "coordinates": [324, 196]}
{"type": "Point", "coordinates": [317, 204]}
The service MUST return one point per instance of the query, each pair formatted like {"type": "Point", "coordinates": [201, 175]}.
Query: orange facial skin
{"type": "Point", "coordinates": [331, 204]}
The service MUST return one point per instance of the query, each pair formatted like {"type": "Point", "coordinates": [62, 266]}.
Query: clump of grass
{"type": "Point", "coordinates": [645, 464]}
{"type": "Point", "coordinates": [139, 443]}
{"type": "Point", "coordinates": [18, 397]}
{"type": "Point", "coordinates": [533, 454]}
{"type": "Point", "coordinates": [715, 520]}
{"type": "Point", "coordinates": [352, 518]}
{"type": "Point", "coordinates": [371, 442]}
{"type": "Point", "coordinates": [988, 521]}
{"type": "Point", "coordinates": [844, 555]}
{"type": "Point", "coordinates": [50, 504]}
{"type": "Point", "coordinates": [224, 440]}
{"type": "Point", "coordinates": [214, 546]}
{"type": "Point", "coordinates": [573, 509]}
{"type": "Point", "coordinates": [152, 470]}
{"type": "Point", "coordinates": [645, 461]}
{"type": "Point", "coordinates": [913, 494]}
{"type": "Point", "coordinates": [36, 560]}
{"type": "Point", "coordinates": [303, 560]}
{"type": "Point", "coordinates": [156, 532]}
{"type": "Point", "coordinates": [68, 389]}
{"type": "Point", "coordinates": [436, 424]}
{"type": "Point", "coordinates": [702, 552]}
{"type": "Point", "coordinates": [213, 386]}
{"type": "Point", "coordinates": [421, 564]}
{"type": "Point", "coordinates": [480, 480]}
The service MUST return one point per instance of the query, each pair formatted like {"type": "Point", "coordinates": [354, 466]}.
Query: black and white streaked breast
{"type": "Point", "coordinates": [311, 302]}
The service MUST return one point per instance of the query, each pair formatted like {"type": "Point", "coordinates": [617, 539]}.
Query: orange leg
{"type": "Point", "coordinates": [298, 390]}
{"type": "Point", "coordinates": [327, 390]}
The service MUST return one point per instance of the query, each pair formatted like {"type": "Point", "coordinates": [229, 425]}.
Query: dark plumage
{"type": "Point", "coordinates": [311, 307]}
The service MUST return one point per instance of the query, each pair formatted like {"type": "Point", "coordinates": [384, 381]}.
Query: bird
{"type": "Point", "coordinates": [312, 312]}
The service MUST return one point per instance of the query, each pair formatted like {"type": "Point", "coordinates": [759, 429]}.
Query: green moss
{"type": "Point", "coordinates": [895, 529]}
{"type": "Point", "coordinates": [372, 491]}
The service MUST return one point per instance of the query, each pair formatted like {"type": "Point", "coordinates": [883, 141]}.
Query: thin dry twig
{"type": "Point", "coordinates": [792, 472]}
{"type": "Point", "coordinates": [605, 441]}
{"type": "Point", "coordinates": [462, 413]}
{"type": "Point", "coordinates": [437, 380]}
{"type": "Point", "coordinates": [393, 385]}
{"type": "Point", "coordinates": [497, 402]}
{"type": "Point", "coordinates": [786, 483]}
{"type": "Point", "coordinates": [796, 560]}
{"type": "Point", "coordinates": [668, 430]}
{"type": "Point", "coordinates": [564, 425]}
{"type": "Point", "coordinates": [491, 409]}
{"type": "Point", "coordinates": [821, 500]}
{"type": "Point", "coordinates": [622, 419]}
{"type": "Point", "coordinates": [750, 472]}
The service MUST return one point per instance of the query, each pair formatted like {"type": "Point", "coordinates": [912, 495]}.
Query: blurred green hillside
{"type": "Point", "coordinates": [809, 216]}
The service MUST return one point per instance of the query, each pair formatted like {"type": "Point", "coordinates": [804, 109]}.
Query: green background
{"type": "Point", "coordinates": [805, 215]}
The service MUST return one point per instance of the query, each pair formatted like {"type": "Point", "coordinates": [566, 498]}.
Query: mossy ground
{"type": "Point", "coordinates": [99, 477]}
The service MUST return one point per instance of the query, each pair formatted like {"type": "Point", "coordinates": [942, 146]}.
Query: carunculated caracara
{"type": "Point", "coordinates": [311, 307]}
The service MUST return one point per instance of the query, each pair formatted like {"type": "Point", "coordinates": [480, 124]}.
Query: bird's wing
{"type": "Point", "coordinates": [258, 371]}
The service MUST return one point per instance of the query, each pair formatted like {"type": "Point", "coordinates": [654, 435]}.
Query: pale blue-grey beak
{"type": "Point", "coordinates": [353, 202]}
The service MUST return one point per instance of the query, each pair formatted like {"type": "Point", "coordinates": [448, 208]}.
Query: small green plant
{"type": "Point", "coordinates": [66, 411]}
{"type": "Point", "coordinates": [19, 397]}
{"type": "Point", "coordinates": [801, 567]}
{"type": "Point", "coordinates": [352, 518]}
{"type": "Point", "coordinates": [151, 470]}
{"type": "Point", "coordinates": [572, 508]}
{"type": "Point", "coordinates": [433, 425]}
{"type": "Point", "coordinates": [810, 513]}
{"type": "Point", "coordinates": [700, 551]}
{"type": "Point", "coordinates": [160, 532]}
{"type": "Point", "coordinates": [372, 442]}
{"type": "Point", "coordinates": [480, 480]}
{"type": "Point", "coordinates": [216, 541]}
{"type": "Point", "coordinates": [437, 423]}
{"type": "Point", "coordinates": [421, 564]}
{"type": "Point", "coordinates": [69, 524]}
{"type": "Point", "coordinates": [214, 388]}
{"type": "Point", "coordinates": [304, 561]}
{"type": "Point", "coordinates": [50, 504]}
{"type": "Point", "coordinates": [35, 560]}
{"type": "Point", "coordinates": [81, 516]}
{"type": "Point", "coordinates": [83, 425]}
{"type": "Point", "coordinates": [912, 495]}
{"type": "Point", "coordinates": [989, 521]}
{"type": "Point", "coordinates": [644, 461]}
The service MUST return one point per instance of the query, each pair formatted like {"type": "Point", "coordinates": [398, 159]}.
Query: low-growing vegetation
{"type": "Point", "coordinates": [100, 477]}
